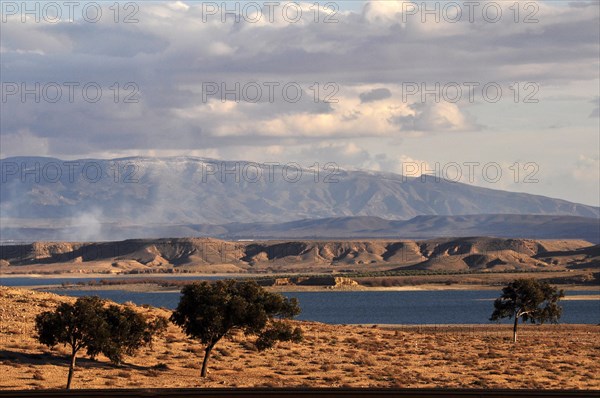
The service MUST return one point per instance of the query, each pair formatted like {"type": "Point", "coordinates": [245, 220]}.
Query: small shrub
{"type": "Point", "coordinates": [367, 361]}
{"type": "Point", "coordinates": [124, 374]}
{"type": "Point", "coordinates": [247, 345]}
{"type": "Point", "coordinates": [171, 338]}
{"type": "Point", "coordinates": [223, 352]}
{"type": "Point", "coordinates": [161, 366]}
{"type": "Point", "coordinates": [327, 367]}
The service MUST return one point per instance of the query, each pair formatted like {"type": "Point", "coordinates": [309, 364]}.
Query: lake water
{"type": "Point", "coordinates": [377, 307]}
{"type": "Point", "coordinates": [43, 281]}
{"type": "Point", "coordinates": [335, 307]}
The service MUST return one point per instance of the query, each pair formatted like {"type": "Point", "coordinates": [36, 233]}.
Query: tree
{"type": "Point", "coordinates": [79, 325]}
{"type": "Point", "coordinates": [128, 331]}
{"type": "Point", "coordinates": [113, 331]}
{"type": "Point", "coordinates": [534, 301]}
{"type": "Point", "coordinates": [209, 312]}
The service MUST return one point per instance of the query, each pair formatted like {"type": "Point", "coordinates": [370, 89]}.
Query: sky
{"type": "Point", "coordinates": [499, 94]}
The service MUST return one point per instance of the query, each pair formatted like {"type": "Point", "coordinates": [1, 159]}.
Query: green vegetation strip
{"type": "Point", "coordinates": [353, 275]}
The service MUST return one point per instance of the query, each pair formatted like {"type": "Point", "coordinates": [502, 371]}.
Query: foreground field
{"type": "Point", "coordinates": [553, 356]}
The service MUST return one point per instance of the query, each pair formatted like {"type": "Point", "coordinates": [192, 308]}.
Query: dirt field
{"type": "Point", "coordinates": [550, 357]}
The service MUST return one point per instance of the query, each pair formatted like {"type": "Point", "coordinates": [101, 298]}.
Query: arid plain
{"type": "Point", "coordinates": [465, 356]}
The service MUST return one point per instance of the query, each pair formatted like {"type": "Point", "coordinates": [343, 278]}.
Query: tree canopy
{"type": "Point", "coordinates": [530, 300]}
{"type": "Point", "coordinates": [113, 331]}
{"type": "Point", "coordinates": [209, 312]}
{"type": "Point", "coordinates": [128, 331]}
{"type": "Point", "coordinates": [79, 325]}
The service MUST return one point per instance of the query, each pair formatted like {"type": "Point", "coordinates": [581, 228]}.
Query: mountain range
{"type": "Point", "coordinates": [94, 199]}
{"type": "Point", "coordinates": [213, 255]}
{"type": "Point", "coordinates": [420, 227]}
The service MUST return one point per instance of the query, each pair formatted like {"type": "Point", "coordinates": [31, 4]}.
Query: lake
{"type": "Point", "coordinates": [381, 307]}
{"type": "Point", "coordinates": [341, 307]}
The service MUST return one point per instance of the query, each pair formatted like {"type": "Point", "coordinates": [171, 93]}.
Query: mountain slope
{"type": "Point", "coordinates": [184, 190]}
{"type": "Point", "coordinates": [202, 254]}
{"type": "Point", "coordinates": [361, 227]}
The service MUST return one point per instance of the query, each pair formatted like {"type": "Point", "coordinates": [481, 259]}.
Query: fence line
{"type": "Point", "coordinates": [493, 330]}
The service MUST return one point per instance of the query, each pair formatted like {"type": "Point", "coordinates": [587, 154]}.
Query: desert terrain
{"type": "Point", "coordinates": [207, 255]}
{"type": "Point", "coordinates": [442, 263]}
{"type": "Point", "coordinates": [546, 357]}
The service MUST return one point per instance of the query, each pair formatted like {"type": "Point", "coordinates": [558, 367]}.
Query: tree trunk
{"type": "Point", "coordinates": [71, 369]}
{"type": "Point", "coordinates": [515, 329]}
{"type": "Point", "coordinates": [205, 361]}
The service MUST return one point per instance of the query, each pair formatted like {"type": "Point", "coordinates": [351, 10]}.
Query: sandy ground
{"type": "Point", "coordinates": [469, 356]}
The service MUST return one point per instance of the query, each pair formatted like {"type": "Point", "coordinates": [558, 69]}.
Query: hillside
{"type": "Point", "coordinates": [354, 227]}
{"type": "Point", "coordinates": [329, 356]}
{"type": "Point", "coordinates": [83, 198]}
{"type": "Point", "coordinates": [212, 255]}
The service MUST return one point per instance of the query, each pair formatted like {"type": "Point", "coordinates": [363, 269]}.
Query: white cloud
{"type": "Point", "coordinates": [219, 48]}
{"type": "Point", "coordinates": [23, 143]}
{"type": "Point", "coordinates": [587, 169]}
{"type": "Point", "coordinates": [437, 117]}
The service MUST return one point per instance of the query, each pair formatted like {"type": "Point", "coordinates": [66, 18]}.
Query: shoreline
{"type": "Point", "coordinates": [422, 284]}
{"type": "Point", "coordinates": [154, 288]}
{"type": "Point", "coordinates": [75, 275]}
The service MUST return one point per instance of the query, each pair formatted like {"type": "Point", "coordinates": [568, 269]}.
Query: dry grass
{"type": "Point", "coordinates": [552, 357]}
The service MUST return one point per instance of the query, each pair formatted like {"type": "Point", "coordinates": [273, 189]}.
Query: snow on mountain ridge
{"type": "Point", "coordinates": [187, 190]}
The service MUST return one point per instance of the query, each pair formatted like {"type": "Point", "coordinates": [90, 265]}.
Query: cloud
{"type": "Point", "coordinates": [23, 143]}
{"type": "Point", "coordinates": [375, 95]}
{"type": "Point", "coordinates": [383, 11]}
{"type": "Point", "coordinates": [596, 112]}
{"type": "Point", "coordinates": [438, 117]}
{"type": "Point", "coordinates": [361, 61]}
{"type": "Point", "coordinates": [587, 169]}
{"type": "Point", "coordinates": [172, 51]}
{"type": "Point", "coordinates": [583, 4]}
